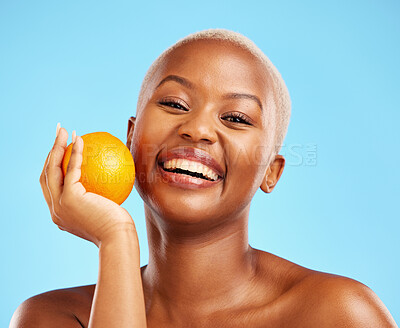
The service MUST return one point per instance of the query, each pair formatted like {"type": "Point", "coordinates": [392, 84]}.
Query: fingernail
{"type": "Point", "coordinates": [73, 136]}
{"type": "Point", "coordinates": [58, 129]}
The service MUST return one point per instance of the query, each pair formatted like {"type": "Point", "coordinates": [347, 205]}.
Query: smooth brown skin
{"type": "Point", "coordinates": [202, 271]}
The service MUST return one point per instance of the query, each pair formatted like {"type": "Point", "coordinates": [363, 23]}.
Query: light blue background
{"type": "Point", "coordinates": [81, 63]}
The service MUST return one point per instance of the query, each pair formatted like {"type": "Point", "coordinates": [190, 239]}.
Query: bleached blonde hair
{"type": "Point", "coordinates": [280, 91]}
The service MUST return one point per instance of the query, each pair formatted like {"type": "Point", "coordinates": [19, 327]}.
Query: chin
{"type": "Point", "coordinates": [186, 209]}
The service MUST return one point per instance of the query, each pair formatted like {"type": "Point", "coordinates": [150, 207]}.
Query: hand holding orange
{"type": "Point", "coordinates": [107, 166]}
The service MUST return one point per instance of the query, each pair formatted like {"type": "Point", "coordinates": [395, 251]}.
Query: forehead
{"type": "Point", "coordinates": [218, 65]}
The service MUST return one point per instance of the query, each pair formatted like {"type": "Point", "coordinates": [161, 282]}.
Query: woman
{"type": "Point", "coordinates": [212, 112]}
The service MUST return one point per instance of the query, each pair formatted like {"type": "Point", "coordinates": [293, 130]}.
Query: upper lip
{"type": "Point", "coordinates": [192, 154]}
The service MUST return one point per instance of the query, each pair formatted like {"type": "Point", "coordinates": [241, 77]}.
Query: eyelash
{"type": "Point", "coordinates": [173, 104]}
{"type": "Point", "coordinates": [236, 116]}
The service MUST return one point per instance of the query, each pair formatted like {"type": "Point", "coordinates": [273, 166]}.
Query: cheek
{"type": "Point", "coordinates": [248, 158]}
{"type": "Point", "coordinates": [147, 138]}
{"type": "Point", "coordinates": [248, 150]}
{"type": "Point", "coordinates": [144, 149]}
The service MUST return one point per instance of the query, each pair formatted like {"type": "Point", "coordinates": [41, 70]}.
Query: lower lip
{"type": "Point", "coordinates": [185, 181]}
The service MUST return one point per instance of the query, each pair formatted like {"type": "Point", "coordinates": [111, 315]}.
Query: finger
{"type": "Point", "coordinates": [75, 163]}
{"type": "Point", "coordinates": [53, 172]}
{"type": "Point", "coordinates": [48, 155]}
{"type": "Point", "coordinates": [45, 163]}
{"type": "Point", "coordinates": [43, 182]}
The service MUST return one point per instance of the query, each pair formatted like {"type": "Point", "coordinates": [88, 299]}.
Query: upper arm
{"type": "Point", "coordinates": [348, 303]}
{"type": "Point", "coordinates": [41, 312]}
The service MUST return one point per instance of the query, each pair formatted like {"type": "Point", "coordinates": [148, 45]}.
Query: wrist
{"type": "Point", "coordinates": [120, 234]}
{"type": "Point", "coordinates": [123, 247]}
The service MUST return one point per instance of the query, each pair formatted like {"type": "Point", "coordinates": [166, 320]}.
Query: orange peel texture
{"type": "Point", "coordinates": [107, 166]}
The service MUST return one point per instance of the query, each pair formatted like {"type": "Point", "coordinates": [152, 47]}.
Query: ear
{"type": "Point", "coordinates": [131, 127]}
{"type": "Point", "coordinates": [273, 174]}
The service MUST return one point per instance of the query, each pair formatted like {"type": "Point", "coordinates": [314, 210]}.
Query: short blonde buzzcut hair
{"type": "Point", "coordinates": [280, 91]}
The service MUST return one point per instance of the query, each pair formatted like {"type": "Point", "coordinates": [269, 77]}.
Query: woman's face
{"type": "Point", "coordinates": [209, 103]}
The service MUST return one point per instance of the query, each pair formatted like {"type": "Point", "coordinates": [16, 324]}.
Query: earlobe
{"type": "Point", "coordinates": [265, 186]}
{"type": "Point", "coordinates": [131, 128]}
{"type": "Point", "coordinates": [273, 174]}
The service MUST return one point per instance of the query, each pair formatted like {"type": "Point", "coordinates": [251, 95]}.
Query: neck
{"type": "Point", "coordinates": [196, 272]}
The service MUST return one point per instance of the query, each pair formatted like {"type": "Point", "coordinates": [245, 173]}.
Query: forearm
{"type": "Point", "coordinates": [118, 299]}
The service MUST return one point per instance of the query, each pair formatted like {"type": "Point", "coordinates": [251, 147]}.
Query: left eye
{"type": "Point", "coordinates": [236, 118]}
{"type": "Point", "coordinates": [173, 104]}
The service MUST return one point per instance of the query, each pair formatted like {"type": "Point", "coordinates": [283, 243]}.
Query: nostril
{"type": "Point", "coordinates": [197, 132]}
{"type": "Point", "coordinates": [188, 136]}
{"type": "Point", "coordinates": [206, 140]}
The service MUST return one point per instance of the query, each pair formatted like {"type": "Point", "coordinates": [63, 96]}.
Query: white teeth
{"type": "Point", "coordinates": [184, 164]}
{"type": "Point", "coordinates": [179, 162]}
{"type": "Point", "coordinates": [206, 171]}
{"type": "Point", "coordinates": [191, 166]}
{"type": "Point", "coordinates": [212, 175]}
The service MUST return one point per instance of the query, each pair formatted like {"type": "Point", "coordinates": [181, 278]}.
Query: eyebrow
{"type": "Point", "coordinates": [233, 95]}
{"type": "Point", "coordinates": [178, 79]}
{"type": "Point", "coordinates": [244, 96]}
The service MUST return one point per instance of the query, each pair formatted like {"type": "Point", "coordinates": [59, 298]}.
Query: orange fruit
{"type": "Point", "coordinates": [107, 166]}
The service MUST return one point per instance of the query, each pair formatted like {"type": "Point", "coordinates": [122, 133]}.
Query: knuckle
{"type": "Point", "coordinates": [45, 180]}
{"type": "Point", "coordinates": [49, 170]}
{"type": "Point", "coordinates": [75, 153]}
{"type": "Point", "coordinates": [54, 149]}
{"type": "Point", "coordinates": [42, 178]}
{"type": "Point", "coordinates": [46, 171]}
{"type": "Point", "coordinates": [58, 147]}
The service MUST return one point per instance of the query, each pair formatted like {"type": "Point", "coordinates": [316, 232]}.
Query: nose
{"type": "Point", "coordinates": [198, 127]}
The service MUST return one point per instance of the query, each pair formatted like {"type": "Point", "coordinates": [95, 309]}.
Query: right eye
{"type": "Point", "coordinates": [174, 104]}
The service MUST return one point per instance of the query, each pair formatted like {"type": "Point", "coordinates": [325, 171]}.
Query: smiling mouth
{"type": "Point", "coordinates": [190, 168]}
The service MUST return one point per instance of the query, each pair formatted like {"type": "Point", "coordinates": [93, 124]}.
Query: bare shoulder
{"type": "Point", "coordinates": [69, 307]}
{"type": "Point", "coordinates": [337, 301]}
{"type": "Point", "coordinates": [327, 300]}
{"type": "Point", "coordinates": [308, 298]}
